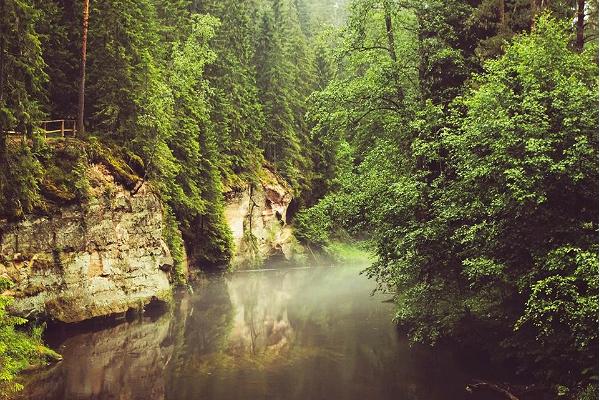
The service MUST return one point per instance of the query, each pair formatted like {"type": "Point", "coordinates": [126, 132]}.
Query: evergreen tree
{"type": "Point", "coordinates": [285, 69]}
{"type": "Point", "coordinates": [22, 78]}
{"type": "Point", "coordinates": [236, 112]}
{"type": "Point", "coordinates": [60, 35]}
{"type": "Point", "coordinates": [197, 199]}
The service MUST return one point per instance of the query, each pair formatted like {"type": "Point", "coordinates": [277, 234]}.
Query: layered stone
{"type": "Point", "coordinates": [257, 217]}
{"type": "Point", "coordinates": [99, 258]}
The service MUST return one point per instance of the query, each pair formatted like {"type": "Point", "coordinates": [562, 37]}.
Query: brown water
{"type": "Point", "coordinates": [288, 334]}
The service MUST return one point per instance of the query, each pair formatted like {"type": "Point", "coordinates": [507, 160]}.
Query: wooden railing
{"type": "Point", "coordinates": [63, 125]}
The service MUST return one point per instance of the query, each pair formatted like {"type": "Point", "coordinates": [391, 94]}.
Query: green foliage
{"type": "Point", "coordinates": [21, 79]}
{"type": "Point", "coordinates": [152, 99]}
{"type": "Point", "coordinates": [20, 175]}
{"type": "Point", "coordinates": [285, 68]}
{"type": "Point", "coordinates": [184, 188]}
{"type": "Point", "coordinates": [483, 213]}
{"type": "Point", "coordinates": [349, 253]}
{"type": "Point", "coordinates": [21, 68]}
{"type": "Point", "coordinates": [189, 102]}
{"type": "Point", "coordinates": [589, 393]}
{"type": "Point", "coordinates": [315, 224]}
{"type": "Point", "coordinates": [65, 177]}
{"type": "Point", "coordinates": [59, 32]}
{"type": "Point", "coordinates": [236, 113]}
{"type": "Point", "coordinates": [18, 349]}
{"type": "Point", "coordinates": [174, 240]}
{"type": "Point", "coordinates": [478, 193]}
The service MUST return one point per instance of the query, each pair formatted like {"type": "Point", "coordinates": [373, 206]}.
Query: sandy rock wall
{"type": "Point", "coordinates": [257, 219]}
{"type": "Point", "coordinates": [95, 259]}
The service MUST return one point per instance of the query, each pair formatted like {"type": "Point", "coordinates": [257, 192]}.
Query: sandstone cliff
{"type": "Point", "coordinates": [108, 255]}
{"type": "Point", "coordinates": [84, 261]}
{"type": "Point", "coordinates": [257, 218]}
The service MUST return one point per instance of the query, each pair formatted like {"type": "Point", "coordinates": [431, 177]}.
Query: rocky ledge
{"type": "Point", "coordinates": [99, 258]}
{"type": "Point", "coordinates": [107, 255]}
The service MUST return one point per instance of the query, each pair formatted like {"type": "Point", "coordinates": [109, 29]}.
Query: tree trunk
{"type": "Point", "coordinates": [392, 46]}
{"type": "Point", "coordinates": [389, 31]}
{"type": "Point", "coordinates": [2, 50]}
{"type": "Point", "coordinates": [534, 10]}
{"type": "Point", "coordinates": [580, 24]}
{"type": "Point", "coordinates": [86, 14]}
{"type": "Point", "coordinates": [537, 6]}
{"type": "Point", "coordinates": [502, 14]}
{"type": "Point", "coordinates": [2, 78]}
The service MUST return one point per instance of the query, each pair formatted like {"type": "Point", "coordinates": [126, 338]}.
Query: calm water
{"type": "Point", "coordinates": [287, 334]}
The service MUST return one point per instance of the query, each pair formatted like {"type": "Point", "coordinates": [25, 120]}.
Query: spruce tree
{"type": "Point", "coordinates": [236, 112]}
{"type": "Point", "coordinates": [22, 78]}
{"type": "Point", "coordinates": [285, 68]}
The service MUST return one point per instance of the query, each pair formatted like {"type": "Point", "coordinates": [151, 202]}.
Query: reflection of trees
{"type": "Point", "coordinates": [200, 329]}
{"type": "Point", "coordinates": [210, 318]}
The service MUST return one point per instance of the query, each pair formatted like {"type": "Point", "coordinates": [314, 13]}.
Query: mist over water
{"type": "Point", "coordinates": [312, 333]}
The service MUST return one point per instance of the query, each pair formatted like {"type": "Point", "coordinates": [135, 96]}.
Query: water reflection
{"type": "Point", "coordinates": [293, 334]}
{"type": "Point", "coordinates": [121, 362]}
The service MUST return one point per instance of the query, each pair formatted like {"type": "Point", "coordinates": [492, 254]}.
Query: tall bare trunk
{"type": "Point", "coordinates": [2, 75]}
{"type": "Point", "coordinates": [580, 24]}
{"type": "Point", "coordinates": [389, 30]}
{"type": "Point", "coordinates": [2, 49]}
{"type": "Point", "coordinates": [502, 13]}
{"type": "Point", "coordinates": [537, 6]}
{"type": "Point", "coordinates": [534, 11]}
{"type": "Point", "coordinates": [86, 15]}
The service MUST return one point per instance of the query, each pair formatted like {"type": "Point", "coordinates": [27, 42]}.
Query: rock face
{"type": "Point", "coordinates": [95, 259]}
{"type": "Point", "coordinates": [257, 218]}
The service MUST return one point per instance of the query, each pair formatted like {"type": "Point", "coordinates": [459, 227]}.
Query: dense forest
{"type": "Point", "coordinates": [457, 139]}
{"type": "Point", "coordinates": [462, 142]}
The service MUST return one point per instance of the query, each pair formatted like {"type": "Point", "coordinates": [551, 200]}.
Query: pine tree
{"type": "Point", "coordinates": [236, 113]}
{"type": "Point", "coordinates": [21, 94]}
{"type": "Point", "coordinates": [197, 197]}
{"type": "Point", "coordinates": [285, 68]}
{"type": "Point", "coordinates": [22, 73]}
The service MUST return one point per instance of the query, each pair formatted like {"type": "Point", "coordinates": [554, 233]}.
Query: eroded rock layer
{"type": "Point", "coordinates": [103, 257]}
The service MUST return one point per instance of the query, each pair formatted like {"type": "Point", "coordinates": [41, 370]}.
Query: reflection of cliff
{"type": "Point", "coordinates": [122, 362]}
{"type": "Point", "coordinates": [261, 322]}
{"type": "Point", "coordinates": [238, 331]}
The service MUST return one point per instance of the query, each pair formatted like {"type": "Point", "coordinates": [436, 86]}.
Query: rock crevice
{"type": "Point", "coordinates": [257, 218]}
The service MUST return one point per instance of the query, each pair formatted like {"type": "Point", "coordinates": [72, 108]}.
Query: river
{"type": "Point", "coordinates": [306, 333]}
